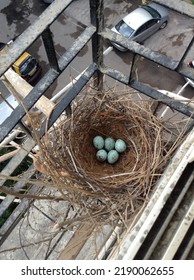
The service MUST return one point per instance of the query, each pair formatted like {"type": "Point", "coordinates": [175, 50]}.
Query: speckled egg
{"type": "Point", "coordinates": [109, 144]}
{"type": "Point", "coordinates": [120, 146]}
{"type": "Point", "coordinates": [98, 142]}
{"type": "Point", "coordinates": [101, 155]}
{"type": "Point", "coordinates": [113, 156]}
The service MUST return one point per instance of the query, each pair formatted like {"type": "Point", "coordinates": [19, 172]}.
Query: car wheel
{"type": "Point", "coordinates": [163, 25]}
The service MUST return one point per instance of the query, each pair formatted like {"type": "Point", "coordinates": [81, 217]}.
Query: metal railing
{"type": "Point", "coordinates": [96, 33]}
{"type": "Point", "coordinates": [96, 69]}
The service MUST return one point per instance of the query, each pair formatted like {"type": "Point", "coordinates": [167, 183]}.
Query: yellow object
{"type": "Point", "coordinates": [19, 61]}
{"type": "Point", "coordinates": [144, 2]}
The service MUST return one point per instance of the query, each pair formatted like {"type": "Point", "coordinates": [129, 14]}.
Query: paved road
{"type": "Point", "coordinates": [16, 16]}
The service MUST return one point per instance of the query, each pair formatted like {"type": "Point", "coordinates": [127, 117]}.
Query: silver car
{"type": "Point", "coordinates": [141, 23]}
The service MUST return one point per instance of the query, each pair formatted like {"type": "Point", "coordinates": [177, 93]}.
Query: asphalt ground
{"type": "Point", "coordinates": [16, 16]}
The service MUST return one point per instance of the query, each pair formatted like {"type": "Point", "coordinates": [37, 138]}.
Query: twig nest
{"type": "Point", "coordinates": [101, 155]}
{"type": "Point", "coordinates": [120, 146]}
{"type": "Point", "coordinates": [94, 179]}
{"type": "Point", "coordinates": [141, 150]}
{"type": "Point", "coordinates": [113, 156]}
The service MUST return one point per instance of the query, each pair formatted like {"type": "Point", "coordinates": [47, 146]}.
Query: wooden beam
{"type": "Point", "coordinates": [19, 86]}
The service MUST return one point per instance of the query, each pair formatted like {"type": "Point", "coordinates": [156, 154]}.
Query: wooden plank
{"type": "Point", "coordinates": [20, 87]}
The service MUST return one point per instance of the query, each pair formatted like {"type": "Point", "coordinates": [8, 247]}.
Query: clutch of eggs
{"type": "Point", "coordinates": [108, 148]}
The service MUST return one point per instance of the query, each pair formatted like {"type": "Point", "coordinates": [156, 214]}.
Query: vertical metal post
{"type": "Point", "coordinates": [132, 70]}
{"type": "Point", "coordinates": [97, 19]}
{"type": "Point", "coordinates": [50, 49]}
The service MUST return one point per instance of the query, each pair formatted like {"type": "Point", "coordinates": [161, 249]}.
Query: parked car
{"type": "Point", "coordinates": [190, 64]}
{"type": "Point", "coordinates": [26, 65]}
{"type": "Point", "coordinates": [141, 23]}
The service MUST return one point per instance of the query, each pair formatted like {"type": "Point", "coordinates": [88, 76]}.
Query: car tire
{"type": "Point", "coordinates": [163, 25]}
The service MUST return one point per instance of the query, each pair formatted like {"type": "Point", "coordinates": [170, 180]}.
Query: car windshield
{"type": "Point", "coordinates": [27, 65]}
{"type": "Point", "coordinates": [152, 11]}
{"type": "Point", "coordinates": [124, 29]}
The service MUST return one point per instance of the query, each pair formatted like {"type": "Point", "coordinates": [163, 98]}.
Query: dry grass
{"type": "Point", "coordinates": [100, 190]}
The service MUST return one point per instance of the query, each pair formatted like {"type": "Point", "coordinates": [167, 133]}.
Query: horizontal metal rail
{"type": "Point", "coordinates": [140, 49]}
{"type": "Point", "coordinates": [147, 53]}
{"type": "Point", "coordinates": [44, 83]}
{"type": "Point", "coordinates": [149, 91]}
{"type": "Point", "coordinates": [69, 96]}
{"type": "Point", "coordinates": [32, 33]}
{"type": "Point", "coordinates": [153, 93]}
{"type": "Point", "coordinates": [134, 237]}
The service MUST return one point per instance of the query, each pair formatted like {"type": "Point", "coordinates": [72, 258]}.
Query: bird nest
{"type": "Point", "coordinates": [69, 157]}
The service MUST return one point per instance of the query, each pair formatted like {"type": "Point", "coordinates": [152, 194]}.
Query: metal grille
{"type": "Point", "coordinates": [97, 33]}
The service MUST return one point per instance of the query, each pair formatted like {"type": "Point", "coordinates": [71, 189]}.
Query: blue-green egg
{"type": "Point", "coordinates": [120, 146]}
{"type": "Point", "coordinates": [109, 144]}
{"type": "Point", "coordinates": [113, 156]}
{"type": "Point", "coordinates": [98, 142]}
{"type": "Point", "coordinates": [101, 155]}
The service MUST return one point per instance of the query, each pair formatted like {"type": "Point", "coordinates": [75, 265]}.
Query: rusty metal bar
{"type": "Point", "coordinates": [44, 83]}
{"type": "Point", "coordinates": [151, 92]}
{"type": "Point", "coordinates": [140, 49]}
{"type": "Point", "coordinates": [97, 20]}
{"type": "Point", "coordinates": [19, 112]}
{"type": "Point", "coordinates": [76, 47]}
{"type": "Point", "coordinates": [149, 54]}
{"type": "Point", "coordinates": [70, 95]}
{"type": "Point", "coordinates": [132, 70]}
{"type": "Point", "coordinates": [115, 74]}
{"type": "Point", "coordinates": [32, 33]}
{"type": "Point", "coordinates": [50, 49]}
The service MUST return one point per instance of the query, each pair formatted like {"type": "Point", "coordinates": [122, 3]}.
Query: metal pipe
{"type": "Point", "coordinates": [50, 49]}
{"type": "Point", "coordinates": [32, 33]}
{"type": "Point", "coordinates": [97, 19]}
